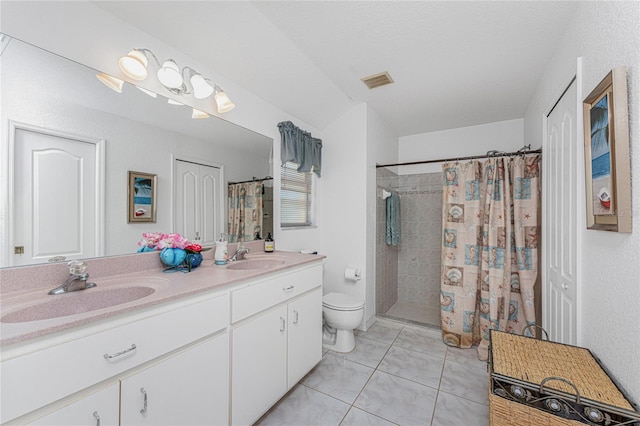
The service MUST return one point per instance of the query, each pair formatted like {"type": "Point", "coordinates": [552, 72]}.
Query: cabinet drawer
{"type": "Point", "coordinates": [250, 300]}
{"type": "Point", "coordinates": [42, 377]}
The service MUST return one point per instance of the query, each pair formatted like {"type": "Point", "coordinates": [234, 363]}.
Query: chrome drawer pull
{"type": "Point", "coordinates": [295, 313]}
{"type": "Point", "coordinates": [144, 408]}
{"type": "Point", "coordinates": [129, 349]}
{"type": "Point", "coordinates": [282, 323]}
{"type": "Point", "coordinates": [97, 416]}
{"type": "Point", "coordinates": [288, 288]}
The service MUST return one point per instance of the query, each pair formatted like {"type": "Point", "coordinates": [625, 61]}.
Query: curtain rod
{"type": "Point", "coordinates": [252, 180]}
{"type": "Point", "coordinates": [472, 157]}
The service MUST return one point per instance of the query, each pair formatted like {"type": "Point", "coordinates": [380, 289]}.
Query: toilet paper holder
{"type": "Point", "coordinates": [352, 273]}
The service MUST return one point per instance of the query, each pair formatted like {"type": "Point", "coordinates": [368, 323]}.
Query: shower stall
{"type": "Point", "coordinates": [408, 274]}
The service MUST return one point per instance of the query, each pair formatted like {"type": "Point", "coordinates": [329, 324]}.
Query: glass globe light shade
{"type": "Point", "coordinates": [223, 102]}
{"type": "Point", "coordinates": [199, 114]}
{"type": "Point", "coordinates": [201, 89]}
{"type": "Point", "coordinates": [134, 65]}
{"type": "Point", "coordinates": [169, 74]}
{"type": "Point", "coordinates": [111, 82]}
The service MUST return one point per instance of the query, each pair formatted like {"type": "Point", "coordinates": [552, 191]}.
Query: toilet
{"type": "Point", "coordinates": [342, 314]}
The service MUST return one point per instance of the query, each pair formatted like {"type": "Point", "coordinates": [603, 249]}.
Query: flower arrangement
{"type": "Point", "coordinates": [176, 251]}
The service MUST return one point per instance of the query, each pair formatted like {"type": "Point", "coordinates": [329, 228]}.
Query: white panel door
{"type": "Point", "coordinates": [198, 202]}
{"type": "Point", "coordinates": [561, 157]}
{"type": "Point", "coordinates": [54, 188]}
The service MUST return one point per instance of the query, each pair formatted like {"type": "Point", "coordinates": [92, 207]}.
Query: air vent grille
{"type": "Point", "coordinates": [377, 80]}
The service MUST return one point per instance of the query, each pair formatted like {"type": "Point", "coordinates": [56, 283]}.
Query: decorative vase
{"type": "Point", "coordinates": [193, 260]}
{"type": "Point", "coordinates": [173, 256]}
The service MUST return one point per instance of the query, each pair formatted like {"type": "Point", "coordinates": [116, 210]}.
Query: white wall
{"type": "Point", "coordinates": [461, 142]}
{"type": "Point", "coordinates": [605, 35]}
{"type": "Point", "coordinates": [80, 31]}
{"type": "Point", "coordinates": [382, 148]}
{"type": "Point", "coordinates": [343, 212]}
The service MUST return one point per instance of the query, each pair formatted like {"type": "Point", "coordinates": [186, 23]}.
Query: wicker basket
{"type": "Point", "coordinates": [539, 383]}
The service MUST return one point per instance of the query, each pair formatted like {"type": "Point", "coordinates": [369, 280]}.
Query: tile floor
{"type": "Point", "coordinates": [399, 374]}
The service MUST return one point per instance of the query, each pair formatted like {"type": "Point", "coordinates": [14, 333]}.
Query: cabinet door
{"type": "Point", "coordinates": [305, 335]}
{"type": "Point", "coordinates": [190, 388]}
{"type": "Point", "coordinates": [100, 408]}
{"type": "Point", "coordinates": [259, 365]}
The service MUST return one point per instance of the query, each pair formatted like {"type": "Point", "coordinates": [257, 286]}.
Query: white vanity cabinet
{"type": "Point", "coordinates": [188, 388]}
{"type": "Point", "coordinates": [276, 340]}
{"type": "Point", "coordinates": [100, 408]}
{"type": "Point", "coordinates": [67, 367]}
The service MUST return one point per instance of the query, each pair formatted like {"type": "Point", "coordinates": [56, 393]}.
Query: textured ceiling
{"type": "Point", "coordinates": [454, 64]}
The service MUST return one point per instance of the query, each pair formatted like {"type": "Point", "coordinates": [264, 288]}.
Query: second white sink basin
{"type": "Point", "coordinates": [255, 263]}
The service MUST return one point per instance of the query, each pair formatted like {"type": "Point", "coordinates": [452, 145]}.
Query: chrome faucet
{"type": "Point", "coordinates": [239, 254]}
{"type": "Point", "coordinates": [77, 279]}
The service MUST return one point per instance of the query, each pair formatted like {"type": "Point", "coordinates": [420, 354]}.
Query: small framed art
{"type": "Point", "coordinates": [142, 197]}
{"type": "Point", "coordinates": [606, 150]}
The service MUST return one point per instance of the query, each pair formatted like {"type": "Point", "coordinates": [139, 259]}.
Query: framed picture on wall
{"type": "Point", "coordinates": [142, 197]}
{"type": "Point", "coordinates": [606, 150]}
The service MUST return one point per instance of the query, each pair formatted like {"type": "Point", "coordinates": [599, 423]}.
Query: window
{"type": "Point", "coordinates": [296, 197]}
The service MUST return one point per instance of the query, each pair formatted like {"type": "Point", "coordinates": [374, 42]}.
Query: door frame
{"type": "Point", "coordinates": [203, 162]}
{"type": "Point", "coordinates": [6, 225]}
{"type": "Point", "coordinates": [579, 197]}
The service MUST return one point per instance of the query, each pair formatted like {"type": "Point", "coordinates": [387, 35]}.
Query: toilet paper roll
{"type": "Point", "coordinates": [352, 273]}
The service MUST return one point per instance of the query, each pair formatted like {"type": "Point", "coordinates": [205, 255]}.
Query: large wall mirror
{"type": "Point", "coordinates": [50, 102]}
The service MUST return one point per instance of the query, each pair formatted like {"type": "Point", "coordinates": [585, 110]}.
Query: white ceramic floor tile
{"type": "Point", "coordinates": [357, 417]}
{"type": "Point", "coordinates": [422, 368]}
{"type": "Point", "coordinates": [305, 406]}
{"type": "Point", "coordinates": [398, 400]}
{"type": "Point", "coordinates": [367, 352]}
{"type": "Point", "coordinates": [452, 410]}
{"type": "Point", "coordinates": [421, 340]}
{"type": "Point", "coordinates": [381, 332]}
{"type": "Point", "coordinates": [338, 377]}
{"type": "Point", "coordinates": [468, 357]}
{"type": "Point", "coordinates": [468, 382]}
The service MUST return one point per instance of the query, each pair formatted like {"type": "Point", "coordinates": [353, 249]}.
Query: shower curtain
{"type": "Point", "coordinates": [245, 211]}
{"type": "Point", "coordinates": [489, 249]}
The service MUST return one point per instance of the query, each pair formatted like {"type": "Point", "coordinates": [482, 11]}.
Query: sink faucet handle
{"type": "Point", "coordinates": [77, 267]}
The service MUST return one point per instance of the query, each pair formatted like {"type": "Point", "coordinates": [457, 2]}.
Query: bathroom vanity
{"type": "Point", "coordinates": [216, 346]}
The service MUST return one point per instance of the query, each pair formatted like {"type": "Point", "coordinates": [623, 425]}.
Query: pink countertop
{"type": "Point", "coordinates": [24, 291]}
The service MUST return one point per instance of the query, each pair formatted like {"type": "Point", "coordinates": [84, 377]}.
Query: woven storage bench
{"type": "Point", "coordinates": [539, 383]}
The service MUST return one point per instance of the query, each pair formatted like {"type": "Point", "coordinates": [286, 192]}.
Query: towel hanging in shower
{"type": "Point", "coordinates": [393, 236]}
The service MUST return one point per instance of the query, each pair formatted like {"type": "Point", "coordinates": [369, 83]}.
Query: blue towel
{"type": "Point", "coordinates": [393, 220]}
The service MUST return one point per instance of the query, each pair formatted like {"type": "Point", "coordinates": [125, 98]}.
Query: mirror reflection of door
{"type": "Point", "coordinates": [198, 202]}
{"type": "Point", "coordinates": [56, 187]}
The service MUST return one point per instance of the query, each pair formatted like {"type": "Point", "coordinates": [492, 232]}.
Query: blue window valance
{"type": "Point", "coordinates": [300, 147]}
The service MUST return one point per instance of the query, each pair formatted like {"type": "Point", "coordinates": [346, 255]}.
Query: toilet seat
{"type": "Point", "coordinates": [342, 302]}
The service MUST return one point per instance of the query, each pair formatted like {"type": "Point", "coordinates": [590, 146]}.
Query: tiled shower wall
{"type": "Point", "coordinates": [419, 256]}
{"type": "Point", "coordinates": [411, 271]}
{"type": "Point", "coordinates": [386, 256]}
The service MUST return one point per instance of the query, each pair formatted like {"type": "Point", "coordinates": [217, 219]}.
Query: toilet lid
{"type": "Point", "coordinates": [341, 301]}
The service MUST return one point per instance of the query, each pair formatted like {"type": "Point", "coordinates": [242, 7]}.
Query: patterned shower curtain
{"type": "Point", "coordinates": [245, 211]}
{"type": "Point", "coordinates": [490, 249]}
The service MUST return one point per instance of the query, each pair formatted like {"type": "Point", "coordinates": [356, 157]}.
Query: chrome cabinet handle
{"type": "Point", "coordinates": [97, 416]}
{"type": "Point", "coordinates": [288, 288]}
{"type": "Point", "coordinates": [295, 314]}
{"type": "Point", "coordinates": [144, 408]}
{"type": "Point", "coordinates": [282, 323]}
{"type": "Point", "coordinates": [117, 354]}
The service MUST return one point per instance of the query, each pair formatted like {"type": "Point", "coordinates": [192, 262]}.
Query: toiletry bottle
{"type": "Point", "coordinates": [269, 244]}
{"type": "Point", "coordinates": [221, 251]}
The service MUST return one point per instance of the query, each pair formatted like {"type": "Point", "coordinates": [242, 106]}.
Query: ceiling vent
{"type": "Point", "coordinates": [377, 80]}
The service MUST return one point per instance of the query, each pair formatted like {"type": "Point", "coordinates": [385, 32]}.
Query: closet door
{"type": "Point", "coordinates": [199, 203]}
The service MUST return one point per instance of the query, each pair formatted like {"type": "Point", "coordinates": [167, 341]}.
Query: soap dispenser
{"type": "Point", "coordinates": [269, 244]}
{"type": "Point", "coordinates": [221, 251]}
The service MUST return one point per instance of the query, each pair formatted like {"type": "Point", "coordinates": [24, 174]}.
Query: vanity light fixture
{"type": "Point", "coordinates": [111, 82]}
{"type": "Point", "coordinates": [179, 81]}
{"type": "Point", "coordinates": [148, 92]}
{"type": "Point", "coordinates": [199, 114]}
{"type": "Point", "coordinates": [172, 102]}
